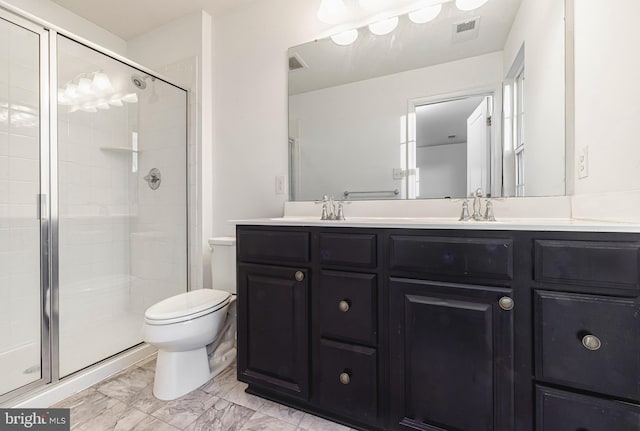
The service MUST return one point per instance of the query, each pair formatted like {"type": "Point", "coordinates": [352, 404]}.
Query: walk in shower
{"type": "Point", "coordinates": [93, 203]}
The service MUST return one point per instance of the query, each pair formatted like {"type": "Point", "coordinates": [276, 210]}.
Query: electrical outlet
{"type": "Point", "coordinates": [280, 184]}
{"type": "Point", "coordinates": [583, 162]}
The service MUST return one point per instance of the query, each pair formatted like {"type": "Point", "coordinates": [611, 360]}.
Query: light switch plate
{"type": "Point", "coordinates": [280, 184]}
{"type": "Point", "coordinates": [583, 162]}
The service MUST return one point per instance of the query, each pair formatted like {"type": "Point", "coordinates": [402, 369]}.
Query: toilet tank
{"type": "Point", "coordinates": [223, 263]}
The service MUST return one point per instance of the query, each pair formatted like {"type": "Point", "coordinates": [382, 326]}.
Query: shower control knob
{"type": "Point", "coordinates": [299, 275]}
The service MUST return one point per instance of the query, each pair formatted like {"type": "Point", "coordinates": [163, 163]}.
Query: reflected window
{"type": "Point", "coordinates": [518, 129]}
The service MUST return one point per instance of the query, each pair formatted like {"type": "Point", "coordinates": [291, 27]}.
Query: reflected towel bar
{"type": "Point", "coordinates": [373, 192]}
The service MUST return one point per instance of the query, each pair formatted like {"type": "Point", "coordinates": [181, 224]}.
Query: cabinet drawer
{"type": "Point", "coordinates": [347, 381]}
{"type": "Point", "coordinates": [348, 249]}
{"type": "Point", "coordinates": [347, 306]}
{"type": "Point", "coordinates": [610, 264]}
{"type": "Point", "coordinates": [467, 257]}
{"type": "Point", "coordinates": [273, 246]}
{"type": "Point", "coordinates": [564, 411]}
{"type": "Point", "coordinates": [567, 353]}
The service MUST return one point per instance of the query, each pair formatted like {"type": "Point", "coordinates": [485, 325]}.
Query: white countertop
{"type": "Point", "coordinates": [529, 224]}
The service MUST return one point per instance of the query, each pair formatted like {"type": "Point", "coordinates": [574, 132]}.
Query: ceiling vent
{"type": "Point", "coordinates": [466, 30]}
{"type": "Point", "coordinates": [296, 63]}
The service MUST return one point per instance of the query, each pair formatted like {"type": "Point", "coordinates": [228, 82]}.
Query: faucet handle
{"type": "Point", "coordinates": [340, 211]}
{"type": "Point", "coordinates": [478, 193]}
{"type": "Point", "coordinates": [488, 214]}
{"type": "Point", "coordinates": [465, 211]}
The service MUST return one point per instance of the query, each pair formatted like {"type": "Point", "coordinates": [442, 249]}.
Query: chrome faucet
{"type": "Point", "coordinates": [330, 209]}
{"type": "Point", "coordinates": [477, 205]}
{"type": "Point", "coordinates": [477, 208]}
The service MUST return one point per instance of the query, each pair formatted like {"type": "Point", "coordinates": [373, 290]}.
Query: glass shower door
{"type": "Point", "coordinates": [122, 201]}
{"type": "Point", "coordinates": [23, 65]}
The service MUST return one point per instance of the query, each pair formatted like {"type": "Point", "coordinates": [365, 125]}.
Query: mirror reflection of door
{"type": "Point", "coordinates": [453, 147]}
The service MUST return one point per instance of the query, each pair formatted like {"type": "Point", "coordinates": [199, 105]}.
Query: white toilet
{"type": "Point", "coordinates": [195, 332]}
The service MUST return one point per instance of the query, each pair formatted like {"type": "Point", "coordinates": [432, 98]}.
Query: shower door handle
{"type": "Point", "coordinates": [41, 206]}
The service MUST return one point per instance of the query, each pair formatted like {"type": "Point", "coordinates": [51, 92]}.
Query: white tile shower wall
{"type": "Point", "coordinates": [94, 208]}
{"type": "Point", "coordinates": [19, 185]}
{"type": "Point", "coordinates": [159, 227]}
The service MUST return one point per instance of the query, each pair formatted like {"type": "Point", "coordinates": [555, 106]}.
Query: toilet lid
{"type": "Point", "coordinates": [187, 304]}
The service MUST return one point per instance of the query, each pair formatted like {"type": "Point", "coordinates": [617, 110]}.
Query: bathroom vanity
{"type": "Point", "coordinates": [471, 327]}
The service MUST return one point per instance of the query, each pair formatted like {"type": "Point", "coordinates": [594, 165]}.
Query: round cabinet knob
{"type": "Point", "coordinates": [299, 275]}
{"type": "Point", "coordinates": [591, 342]}
{"type": "Point", "coordinates": [343, 305]}
{"type": "Point", "coordinates": [506, 303]}
{"type": "Point", "coordinates": [345, 378]}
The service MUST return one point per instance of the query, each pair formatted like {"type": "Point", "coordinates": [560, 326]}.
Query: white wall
{"type": "Point", "coordinates": [62, 18]}
{"type": "Point", "coordinates": [539, 24]}
{"type": "Point", "coordinates": [607, 106]}
{"type": "Point", "coordinates": [365, 123]}
{"type": "Point", "coordinates": [181, 50]}
{"type": "Point", "coordinates": [442, 170]}
{"type": "Point", "coordinates": [250, 96]}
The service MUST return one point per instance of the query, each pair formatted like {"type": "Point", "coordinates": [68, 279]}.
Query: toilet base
{"type": "Point", "coordinates": [178, 373]}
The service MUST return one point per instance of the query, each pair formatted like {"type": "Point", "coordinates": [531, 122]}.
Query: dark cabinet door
{"type": "Point", "coordinates": [451, 357]}
{"type": "Point", "coordinates": [273, 328]}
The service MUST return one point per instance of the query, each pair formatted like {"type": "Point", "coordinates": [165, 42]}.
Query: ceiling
{"type": "Point", "coordinates": [130, 18]}
{"type": "Point", "coordinates": [437, 122]}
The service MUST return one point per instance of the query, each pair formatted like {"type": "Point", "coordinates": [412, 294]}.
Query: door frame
{"type": "Point", "coordinates": [495, 90]}
{"type": "Point", "coordinates": [42, 202]}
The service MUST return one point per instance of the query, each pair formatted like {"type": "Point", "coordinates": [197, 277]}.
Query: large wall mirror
{"type": "Point", "coordinates": [436, 109]}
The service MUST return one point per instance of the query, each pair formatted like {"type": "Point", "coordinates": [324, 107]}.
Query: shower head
{"type": "Point", "coordinates": [140, 81]}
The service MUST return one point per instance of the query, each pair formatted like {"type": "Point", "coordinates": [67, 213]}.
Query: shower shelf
{"type": "Point", "coordinates": [120, 149]}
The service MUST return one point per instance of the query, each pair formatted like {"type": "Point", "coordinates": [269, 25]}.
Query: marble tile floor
{"type": "Point", "coordinates": [125, 402]}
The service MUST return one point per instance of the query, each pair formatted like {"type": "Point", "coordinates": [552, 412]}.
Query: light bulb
{"type": "Point", "coordinates": [84, 86]}
{"type": "Point", "coordinates": [102, 83]}
{"type": "Point", "coordinates": [332, 11]}
{"type": "Point", "coordinates": [71, 91]}
{"type": "Point", "coordinates": [383, 27]}
{"type": "Point", "coordinates": [88, 107]}
{"type": "Point", "coordinates": [102, 104]}
{"type": "Point", "coordinates": [426, 14]}
{"type": "Point", "coordinates": [469, 4]}
{"type": "Point", "coordinates": [63, 99]}
{"type": "Point", "coordinates": [115, 100]}
{"type": "Point", "coordinates": [130, 98]}
{"type": "Point", "coordinates": [345, 38]}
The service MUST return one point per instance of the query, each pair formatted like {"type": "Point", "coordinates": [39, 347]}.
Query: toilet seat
{"type": "Point", "coordinates": [187, 306]}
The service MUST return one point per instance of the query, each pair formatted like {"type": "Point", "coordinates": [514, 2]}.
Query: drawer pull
{"type": "Point", "coordinates": [343, 305]}
{"type": "Point", "coordinates": [506, 303]}
{"type": "Point", "coordinates": [345, 378]}
{"type": "Point", "coordinates": [299, 275]}
{"type": "Point", "coordinates": [591, 342]}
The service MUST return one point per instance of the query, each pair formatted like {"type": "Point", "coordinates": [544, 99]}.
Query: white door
{"type": "Point", "coordinates": [478, 144]}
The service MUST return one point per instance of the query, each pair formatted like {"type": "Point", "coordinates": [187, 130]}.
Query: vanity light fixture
{"type": "Point", "coordinates": [101, 83]}
{"type": "Point", "coordinates": [345, 38]}
{"type": "Point", "coordinates": [383, 27]}
{"type": "Point", "coordinates": [332, 11]}
{"type": "Point", "coordinates": [466, 5]}
{"type": "Point", "coordinates": [90, 91]}
{"type": "Point", "coordinates": [426, 14]}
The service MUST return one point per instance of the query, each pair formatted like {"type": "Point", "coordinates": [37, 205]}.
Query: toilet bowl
{"type": "Point", "coordinates": [194, 331]}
